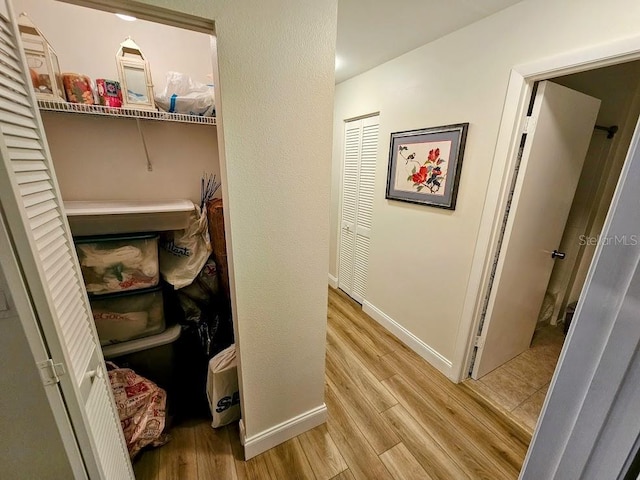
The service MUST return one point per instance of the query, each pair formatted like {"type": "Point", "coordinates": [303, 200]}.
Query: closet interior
{"type": "Point", "coordinates": [134, 146]}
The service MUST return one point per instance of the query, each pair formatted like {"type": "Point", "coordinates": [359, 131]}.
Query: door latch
{"type": "Point", "coordinates": [558, 255]}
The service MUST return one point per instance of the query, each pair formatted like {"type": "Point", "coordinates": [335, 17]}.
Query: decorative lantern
{"type": "Point", "coordinates": [135, 77]}
{"type": "Point", "coordinates": [42, 61]}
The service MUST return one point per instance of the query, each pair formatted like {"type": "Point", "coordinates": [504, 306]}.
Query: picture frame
{"type": "Point", "coordinates": [425, 165]}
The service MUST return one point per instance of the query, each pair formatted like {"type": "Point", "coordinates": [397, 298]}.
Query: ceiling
{"type": "Point", "coordinates": [371, 32]}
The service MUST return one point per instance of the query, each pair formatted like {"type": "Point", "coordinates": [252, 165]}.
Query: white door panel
{"type": "Point", "coordinates": [360, 154]}
{"type": "Point", "coordinates": [552, 160]}
{"type": "Point", "coordinates": [32, 204]}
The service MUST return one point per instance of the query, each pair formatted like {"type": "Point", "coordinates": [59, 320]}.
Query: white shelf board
{"type": "Point", "coordinates": [103, 218]}
{"type": "Point", "coordinates": [81, 208]}
{"type": "Point", "coordinates": [99, 110]}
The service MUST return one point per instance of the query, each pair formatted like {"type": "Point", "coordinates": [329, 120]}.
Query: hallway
{"type": "Point", "coordinates": [391, 416]}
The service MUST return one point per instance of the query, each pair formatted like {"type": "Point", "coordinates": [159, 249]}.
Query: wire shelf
{"type": "Point", "coordinates": [53, 106]}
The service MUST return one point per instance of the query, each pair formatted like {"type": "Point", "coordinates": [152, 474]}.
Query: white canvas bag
{"type": "Point", "coordinates": [222, 388]}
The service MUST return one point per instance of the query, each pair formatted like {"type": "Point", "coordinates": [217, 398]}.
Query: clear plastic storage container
{"type": "Point", "coordinates": [124, 316]}
{"type": "Point", "coordinates": [118, 263]}
{"type": "Point", "coordinates": [153, 357]}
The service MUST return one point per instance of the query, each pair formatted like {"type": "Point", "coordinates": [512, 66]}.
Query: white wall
{"type": "Point", "coordinates": [276, 79]}
{"type": "Point", "coordinates": [420, 256]}
{"type": "Point", "coordinates": [87, 40]}
{"type": "Point", "coordinates": [104, 159]}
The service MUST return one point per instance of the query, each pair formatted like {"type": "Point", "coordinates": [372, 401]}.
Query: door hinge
{"type": "Point", "coordinates": [479, 342]}
{"type": "Point", "coordinates": [51, 372]}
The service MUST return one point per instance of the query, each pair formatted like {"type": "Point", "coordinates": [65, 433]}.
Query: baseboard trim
{"type": "Point", "coordinates": [409, 339]}
{"type": "Point", "coordinates": [333, 281]}
{"type": "Point", "coordinates": [263, 441]}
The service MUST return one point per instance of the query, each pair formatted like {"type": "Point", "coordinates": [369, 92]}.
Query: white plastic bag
{"type": "Point", "coordinates": [184, 95]}
{"type": "Point", "coordinates": [222, 388]}
{"type": "Point", "coordinates": [183, 253]}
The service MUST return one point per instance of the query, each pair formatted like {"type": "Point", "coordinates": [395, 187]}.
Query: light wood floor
{"type": "Point", "coordinates": [391, 416]}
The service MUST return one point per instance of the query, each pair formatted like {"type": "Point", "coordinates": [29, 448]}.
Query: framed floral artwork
{"type": "Point", "coordinates": [425, 165]}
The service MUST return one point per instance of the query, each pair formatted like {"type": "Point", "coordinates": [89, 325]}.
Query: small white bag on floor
{"type": "Point", "coordinates": [222, 388]}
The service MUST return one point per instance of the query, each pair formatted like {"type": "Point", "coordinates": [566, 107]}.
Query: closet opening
{"type": "Point", "coordinates": [139, 173]}
{"type": "Point", "coordinates": [518, 348]}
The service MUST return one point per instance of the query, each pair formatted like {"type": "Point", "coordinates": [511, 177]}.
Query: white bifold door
{"type": "Point", "coordinates": [32, 206]}
{"type": "Point", "coordinates": [358, 181]}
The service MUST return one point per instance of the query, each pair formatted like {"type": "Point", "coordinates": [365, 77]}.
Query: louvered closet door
{"type": "Point", "coordinates": [32, 204]}
{"type": "Point", "coordinates": [361, 147]}
{"type": "Point", "coordinates": [364, 217]}
{"type": "Point", "coordinates": [352, 141]}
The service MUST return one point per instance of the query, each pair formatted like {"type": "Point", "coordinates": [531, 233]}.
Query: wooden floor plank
{"type": "Point", "coordinates": [258, 469]}
{"type": "Point", "coordinates": [403, 465]}
{"type": "Point", "coordinates": [323, 454]}
{"type": "Point", "coordinates": [288, 461]}
{"type": "Point", "coordinates": [344, 307]}
{"type": "Point", "coordinates": [357, 334]}
{"type": "Point", "coordinates": [213, 453]}
{"type": "Point", "coordinates": [178, 457]}
{"type": "Point", "coordinates": [363, 462]}
{"type": "Point", "coordinates": [461, 447]}
{"type": "Point", "coordinates": [348, 364]}
{"type": "Point", "coordinates": [495, 416]}
{"type": "Point", "coordinates": [346, 475]}
{"type": "Point", "coordinates": [410, 365]}
{"type": "Point", "coordinates": [237, 451]}
{"type": "Point", "coordinates": [372, 425]}
{"type": "Point", "coordinates": [146, 464]}
{"type": "Point", "coordinates": [436, 462]}
{"type": "Point", "coordinates": [476, 404]}
{"type": "Point", "coordinates": [489, 438]}
{"type": "Point", "coordinates": [360, 349]}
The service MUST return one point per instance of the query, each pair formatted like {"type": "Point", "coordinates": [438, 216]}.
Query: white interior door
{"type": "Point", "coordinates": [558, 135]}
{"type": "Point", "coordinates": [361, 149]}
{"type": "Point", "coordinates": [32, 204]}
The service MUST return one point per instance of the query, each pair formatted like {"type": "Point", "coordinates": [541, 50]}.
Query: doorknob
{"type": "Point", "coordinates": [558, 255]}
{"type": "Point", "coordinates": [97, 373]}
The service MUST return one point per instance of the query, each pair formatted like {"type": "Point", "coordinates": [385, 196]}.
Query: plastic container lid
{"type": "Point", "coordinates": [116, 237]}
{"type": "Point", "coordinates": [123, 293]}
{"type": "Point", "coordinates": [170, 335]}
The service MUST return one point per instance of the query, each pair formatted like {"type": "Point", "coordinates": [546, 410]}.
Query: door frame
{"type": "Point", "coordinates": [512, 126]}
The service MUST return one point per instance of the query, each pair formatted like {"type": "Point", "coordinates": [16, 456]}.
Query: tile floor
{"type": "Point", "coordinates": [519, 386]}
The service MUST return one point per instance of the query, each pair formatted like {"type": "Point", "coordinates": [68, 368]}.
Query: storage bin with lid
{"type": "Point", "coordinates": [120, 317]}
{"type": "Point", "coordinates": [116, 263]}
{"type": "Point", "coordinates": [152, 357]}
